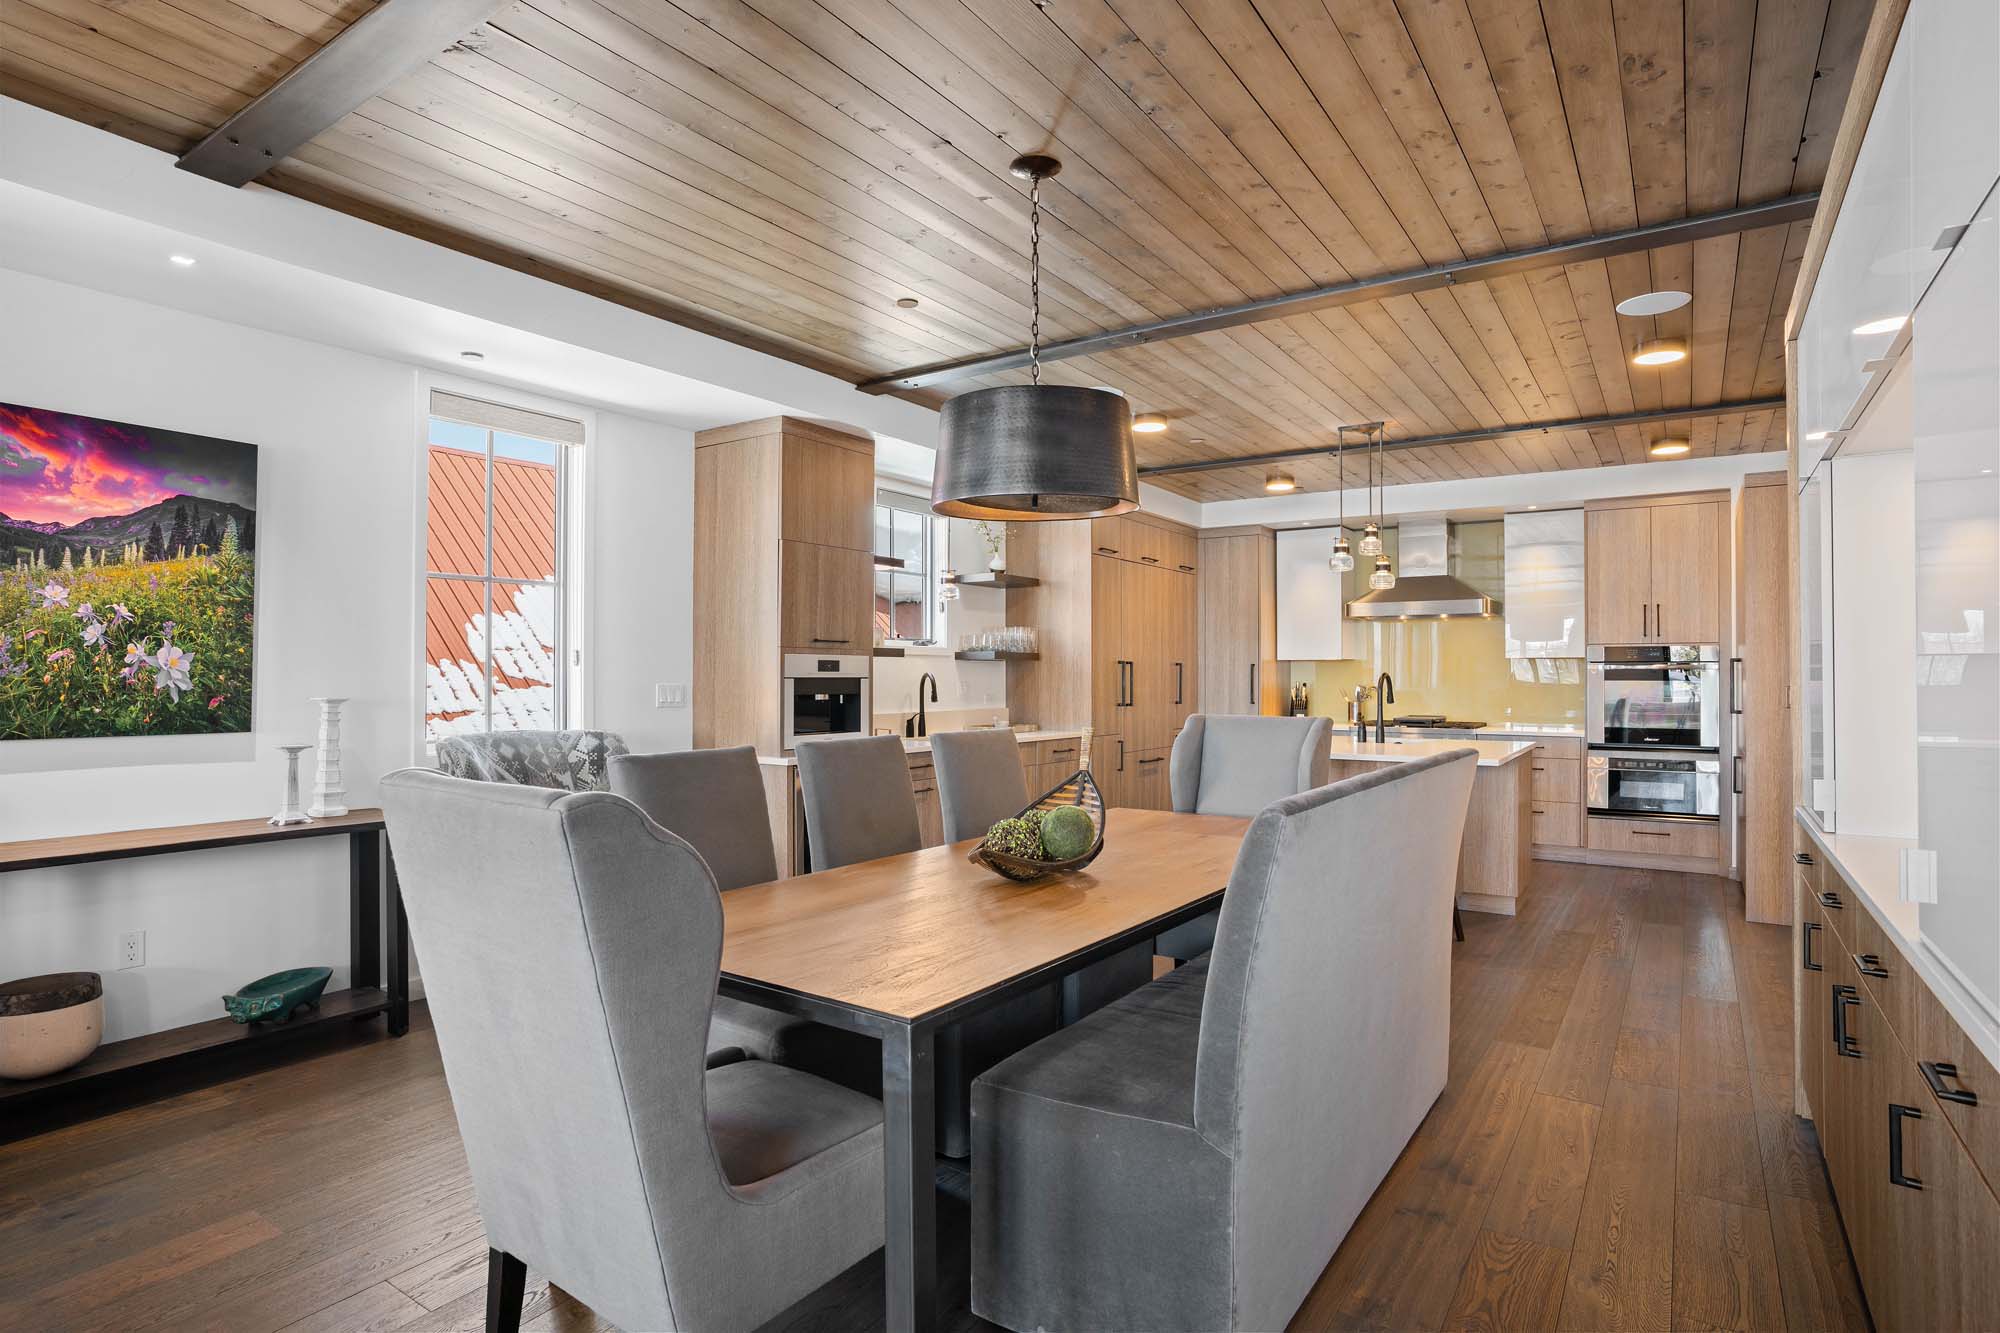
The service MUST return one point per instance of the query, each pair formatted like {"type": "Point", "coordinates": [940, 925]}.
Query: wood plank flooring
{"type": "Point", "coordinates": [1615, 1149]}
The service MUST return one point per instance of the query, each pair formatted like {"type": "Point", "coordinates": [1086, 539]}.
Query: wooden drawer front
{"type": "Point", "coordinates": [1559, 747]}
{"type": "Point", "coordinates": [1114, 537]}
{"type": "Point", "coordinates": [1557, 781]}
{"type": "Point", "coordinates": [1555, 824]}
{"type": "Point", "coordinates": [1940, 1040]}
{"type": "Point", "coordinates": [1058, 752]}
{"type": "Point", "coordinates": [1806, 857]}
{"type": "Point", "coordinates": [922, 766]}
{"type": "Point", "coordinates": [1884, 971]}
{"type": "Point", "coordinates": [1147, 787]}
{"type": "Point", "coordinates": [1653, 837]}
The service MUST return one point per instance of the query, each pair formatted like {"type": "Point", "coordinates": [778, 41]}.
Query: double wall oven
{"type": "Point", "coordinates": [1654, 714]}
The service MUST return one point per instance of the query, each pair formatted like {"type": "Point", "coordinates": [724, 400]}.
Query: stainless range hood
{"type": "Point", "coordinates": [1424, 585]}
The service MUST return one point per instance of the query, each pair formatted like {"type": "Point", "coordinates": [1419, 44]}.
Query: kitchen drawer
{"type": "Point", "coordinates": [1146, 780]}
{"type": "Point", "coordinates": [1884, 971]}
{"type": "Point", "coordinates": [1055, 752]}
{"type": "Point", "coordinates": [1661, 837]}
{"type": "Point", "coordinates": [920, 765]}
{"type": "Point", "coordinates": [1554, 781]}
{"type": "Point", "coordinates": [1807, 858]}
{"type": "Point", "coordinates": [1557, 747]}
{"type": "Point", "coordinates": [1555, 823]}
{"type": "Point", "coordinates": [1940, 1040]}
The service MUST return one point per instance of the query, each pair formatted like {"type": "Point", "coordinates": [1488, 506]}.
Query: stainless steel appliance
{"type": "Point", "coordinates": [1655, 695]}
{"type": "Point", "coordinates": [1653, 784]}
{"type": "Point", "coordinates": [825, 696]}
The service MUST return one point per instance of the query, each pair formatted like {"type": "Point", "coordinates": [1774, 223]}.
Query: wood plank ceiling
{"type": "Point", "coordinates": [781, 172]}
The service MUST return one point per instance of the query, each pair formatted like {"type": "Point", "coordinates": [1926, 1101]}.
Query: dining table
{"type": "Point", "coordinates": [903, 947]}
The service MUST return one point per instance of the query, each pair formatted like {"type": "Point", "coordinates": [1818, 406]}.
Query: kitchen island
{"type": "Point", "coordinates": [1493, 860]}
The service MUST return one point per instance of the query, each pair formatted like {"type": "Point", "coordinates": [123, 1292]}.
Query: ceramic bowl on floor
{"type": "Point", "coordinates": [49, 1023]}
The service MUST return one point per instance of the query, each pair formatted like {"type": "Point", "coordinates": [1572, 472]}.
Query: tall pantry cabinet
{"type": "Point", "coordinates": [1239, 621]}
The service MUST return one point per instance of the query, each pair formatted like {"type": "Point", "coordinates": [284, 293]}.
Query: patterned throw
{"type": "Point", "coordinates": [570, 760]}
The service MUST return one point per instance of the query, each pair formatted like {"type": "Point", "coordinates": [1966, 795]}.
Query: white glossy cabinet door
{"type": "Point", "coordinates": [1956, 425]}
{"type": "Point", "coordinates": [1955, 118]}
{"type": "Point", "coordinates": [1543, 602]}
{"type": "Point", "coordinates": [1309, 607]}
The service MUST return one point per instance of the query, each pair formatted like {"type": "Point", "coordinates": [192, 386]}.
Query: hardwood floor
{"type": "Point", "coordinates": [1615, 1149]}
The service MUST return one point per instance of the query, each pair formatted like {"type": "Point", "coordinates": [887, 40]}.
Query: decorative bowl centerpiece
{"type": "Point", "coordinates": [1061, 831]}
{"type": "Point", "coordinates": [277, 997]}
{"type": "Point", "coordinates": [49, 1023]}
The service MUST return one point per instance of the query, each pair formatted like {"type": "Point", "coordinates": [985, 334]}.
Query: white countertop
{"type": "Point", "coordinates": [1874, 867]}
{"type": "Point", "coordinates": [923, 745]}
{"type": "Point", "coordinates": [1492, 754]}
{"type": "Point", "coordinates": [1536, 729]}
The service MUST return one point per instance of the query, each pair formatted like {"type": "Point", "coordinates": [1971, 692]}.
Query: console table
{"type": "Point", "coordinates": [374, 900]}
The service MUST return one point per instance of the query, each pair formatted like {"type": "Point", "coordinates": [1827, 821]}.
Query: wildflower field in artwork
{"type": "Point", "coordinates": [127, 579]}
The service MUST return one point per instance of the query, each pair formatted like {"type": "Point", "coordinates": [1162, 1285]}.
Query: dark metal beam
{"type": "Point", "coordinates": [1797, 208]}
{"type": "Point", "coordinates": [1478, 436]}
{"type": "Point", "coordinates": [377, 49]}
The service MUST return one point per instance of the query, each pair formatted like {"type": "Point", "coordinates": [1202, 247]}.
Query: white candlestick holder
{"type": "Point", "coordinates": [329, 789]}
{"type": "Point", "coordinates": [289, 812]}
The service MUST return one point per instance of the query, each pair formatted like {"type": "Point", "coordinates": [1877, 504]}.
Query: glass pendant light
{"type": "Point", "coordinates": [1034, 450]}
{"type": "Point", "coordinates": [1343, 559]}
{"type": "Point", "coordinates": [1371, 531]}
{"type": "Point", "coordinates": [1383, 576]}
{"type": "Point", "coordinates": [948, 586]}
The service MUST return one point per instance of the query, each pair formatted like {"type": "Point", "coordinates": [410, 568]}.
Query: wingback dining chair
{"type": "Point", "coordinates": [1190, 1156]}
{"type": "Point", "coordinates": [570, 949]}
{"type": "Point", "coordinates": [1236, 765]}
{"type": "Point", "coordinates": [569, 760]}
{"type": "Point", "coordinates": [714, 800]}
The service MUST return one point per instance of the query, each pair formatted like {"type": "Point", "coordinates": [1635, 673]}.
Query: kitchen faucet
{"type": "Point", "coordinates": [1385, 692]}
{"type": "Point", "coordinates": [923, 726]}
{"type": "Point", "coordinates": [1361, 693]}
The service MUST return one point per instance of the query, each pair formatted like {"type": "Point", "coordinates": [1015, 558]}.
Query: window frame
{"type": "Point", "coordinates": [571, 583]}
{"type": "Point", "coordinates": [897, 500]}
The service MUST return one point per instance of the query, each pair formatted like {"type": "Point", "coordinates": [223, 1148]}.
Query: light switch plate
{"type": "Point", "coordinates": [670, 694]}
{"type": "Point", "coordinates": [1918, 881]}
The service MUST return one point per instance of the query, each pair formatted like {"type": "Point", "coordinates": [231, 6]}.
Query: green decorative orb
{"type": "Point", "coordinates": [1014, 837]}
{"type": "Point", "coordinates": [1066, 833]}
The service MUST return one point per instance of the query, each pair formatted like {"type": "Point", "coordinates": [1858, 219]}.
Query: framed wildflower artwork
{"type": "Point", "coordinates": [128, 564]}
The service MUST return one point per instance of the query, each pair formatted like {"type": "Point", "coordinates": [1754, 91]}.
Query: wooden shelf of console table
{"type": "Point", "coordinates": [374, 901]}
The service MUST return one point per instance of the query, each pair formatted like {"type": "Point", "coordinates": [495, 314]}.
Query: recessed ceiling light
{"type": "Point", "coordinates": [1875, 326]}
{"type": "Point", "coordinates": [1278, 483]}
{"type": "Point", "coordinates": [906, 303]}
{"type": "Point", "coordinates": [1149, 423]}
{"type": "Point", "coordinates": [1652, 303]}
{"type": "Point", "coordinates": [472, 356]}
{"type": "Point", "coordinates": [1659, 352]}
{"type": "Point", "coordinates": [1668, 448]}
{"type": "Point", "coordinates": [181, 261]}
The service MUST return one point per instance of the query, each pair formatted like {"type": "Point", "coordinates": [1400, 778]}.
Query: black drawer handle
{"type": "Point", "coordinates": [1186, 569]}
{"type": "Point", "coordinates": [1149, 560]}
{"type": "Point", "coordinates": [1805, 947]}
{"type": "Point", "coordinates": [1897, 1115]}
{"type": "Point", "coordinates": [1107, 550]}
{"type": "Point", "coordinates": [1832, 899]}
{"type": "Point", "coordinates": [1870, 965]}
{"type": "Point", "coordinates": [1071, 750]}
{"type": "Point", "coordinates": [1804, 858]}
{"type": "Point", "coordinates": [1936, 1072]}
{"type": "Point", "coordinates": [1533, 811]}
{"type": "Point", "coordinates": [1156, 759]}
{"type": "Point", "coordinates": [1842, 1041]}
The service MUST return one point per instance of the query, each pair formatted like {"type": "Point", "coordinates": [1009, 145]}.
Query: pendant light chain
{"type": "Point", "coordinates": [1035, 282]}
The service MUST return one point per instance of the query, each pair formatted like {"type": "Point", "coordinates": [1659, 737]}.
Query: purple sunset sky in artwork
{"type": "Point", "coordinates": [60, 468]}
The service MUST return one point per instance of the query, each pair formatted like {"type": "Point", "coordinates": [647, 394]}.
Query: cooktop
{"type": "Point", "coordinates": [1436, 720]}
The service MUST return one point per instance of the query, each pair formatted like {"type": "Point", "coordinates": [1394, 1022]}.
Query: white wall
{"type": "Point", "coordinates": [1874, 638]}
{"type": "Point", "coordinates": [339, 470]}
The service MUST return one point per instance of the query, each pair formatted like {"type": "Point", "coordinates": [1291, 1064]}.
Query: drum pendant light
{"type": "Point", "coordinates": [1035, 451]}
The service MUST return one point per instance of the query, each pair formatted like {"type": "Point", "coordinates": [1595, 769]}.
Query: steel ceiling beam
{"type": "Point", "coordinates": [1476, 436]}
{"type": "Point", "coordinates": [391, 40]}
{"type": "Point", "coordinates": [1797, 208]}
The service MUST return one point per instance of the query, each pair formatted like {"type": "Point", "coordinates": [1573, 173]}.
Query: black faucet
{"type": "Point", "coordinates": [1385, 692]}
{"type": "Point", "coordinates": [923, 725]}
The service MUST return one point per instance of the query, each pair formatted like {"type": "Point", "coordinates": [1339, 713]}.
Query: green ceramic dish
{"type": "Point", "coordinates": [278, 996]}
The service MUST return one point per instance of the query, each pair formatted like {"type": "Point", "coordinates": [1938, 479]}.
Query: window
{"type": "Point", "coordinates": [904, 606]}
{"type": "Point", "coordinates": [496, 604]}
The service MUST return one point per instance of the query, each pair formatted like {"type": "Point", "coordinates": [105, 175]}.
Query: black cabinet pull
{"type": "Point", "coordinates": [1156, 759]}
{"type": "Point", "coordinates": [1737, 790]}
{"type": "Point", "coordinates": [1897, 1115]}
{"type": "Point", "coordinates": [1149, 560]}
{"type": "Point", "coordinates": [1805, 947]}
{"type": "Point", "coordinates": [1804, 858]}
{"type": "Point", "coordinates": [1870, 965]}
{"type": "Point", "coordinates": [1843, 1042]}
{"type": "Point", "coordinates": [1936, 1072]}
{"type": "Point", "coordinates": [1180, 680]}
{"type": "Point", "coordinates": [1121, 754]}
{"type": "Point", "coordinates": [1253, 687]}
{"type": "Point", "coordinates": [1107, 550]}
{"type": "Point", "coordinates": [1832, 899]}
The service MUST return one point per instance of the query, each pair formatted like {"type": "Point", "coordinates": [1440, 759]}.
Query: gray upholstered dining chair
{"type": "Point", "coordinates": [569, 760]}
{"type": "Point", "coordinates": [858, 800]}
{"type": "Point", "coordinates": [714, 800]}
{"type": "Point", "coordinates": [570, 949]}
{"type": "Point", "coordinates": [1237, 765]}
{"type": "Point", "coordinates": [1190, 1156]}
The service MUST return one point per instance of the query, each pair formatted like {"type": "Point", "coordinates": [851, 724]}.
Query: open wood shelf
{"type": "Point", "coordinates": [197, 1039]}
{"type": "Point", "coordinates": [996, 581]}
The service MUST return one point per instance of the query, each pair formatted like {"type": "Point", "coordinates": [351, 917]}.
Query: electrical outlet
{"type": "Point", "coordinates": [131, 949]}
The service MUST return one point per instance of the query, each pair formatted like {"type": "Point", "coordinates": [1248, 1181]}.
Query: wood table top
{"type": "Point", "coordinates": [37, 853]}
{"type": "Point", "coordinates": [908, 935]}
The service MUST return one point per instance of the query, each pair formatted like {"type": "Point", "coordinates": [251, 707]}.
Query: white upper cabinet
{"type": "Point", "coordinates": [1543, 605]}
{"type": "Point", "coordinates": [1309, 607]}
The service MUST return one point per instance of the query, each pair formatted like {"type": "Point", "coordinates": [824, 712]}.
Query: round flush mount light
{"type": "Point", "coordinates": [1652, 303]}
{"type": "Point", "coordinates": [1668, 448]}
{"type": "Point", "coordinates": [1875, 326]}
{"type": "Point", "coordinates": [1148, 423]}
{"type": "Point", "coordinates": [472, 356]}
{"type": "Point", "coordinates": [1279, 483]}
{"type": "Point", "coordinates": [1659, 352]}
{"type": "Point", "coordinates": [181, 261]}
{"type": "Point", "coordinates": [906, 303]}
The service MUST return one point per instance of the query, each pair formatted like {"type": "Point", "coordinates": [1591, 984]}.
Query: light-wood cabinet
{"type": "Point", "coordinates": [823, 598]}
{"type": "Point", "coordinates": [1146, 540]}
{"type": "Point", "coordinates": [1761, 695]}
{"type": "Point", "coordinates": [930, 813]}
{"type": "Point", "coordinates": [1239, 623]}
{"type": "Point", "coordinates": [828, 493]}
{"type": "Point", "coordinates": [1653, 573]}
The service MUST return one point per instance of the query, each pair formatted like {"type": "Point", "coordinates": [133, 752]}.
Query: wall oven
{"type": "Point", "coordinates": [1653, 784]}
{"type": "Point", "coordinates": [825, 696]}
{"type": "Point", "coordinates": [1645, 696]}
